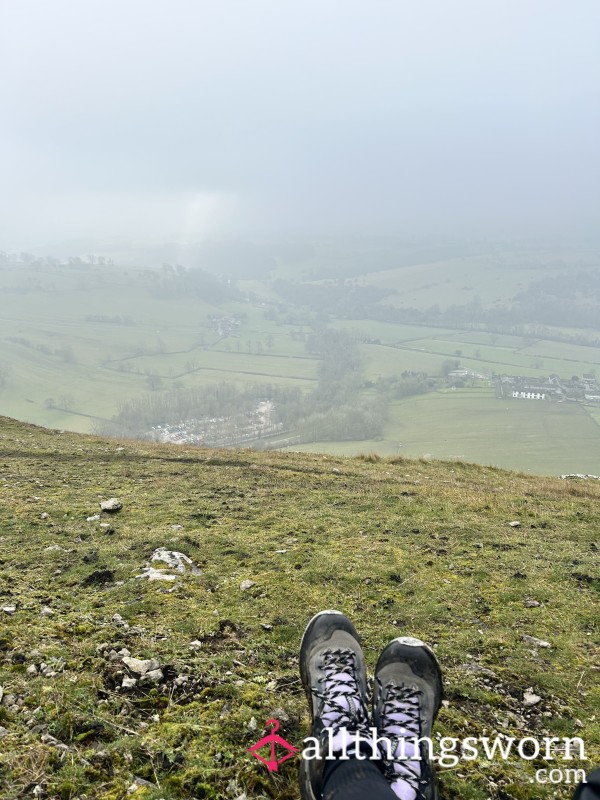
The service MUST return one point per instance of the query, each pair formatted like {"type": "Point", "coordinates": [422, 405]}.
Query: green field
{"type": "Point", "coordinates": [473, 425]}
{"type": "Point", "coordinates": [456, 281]}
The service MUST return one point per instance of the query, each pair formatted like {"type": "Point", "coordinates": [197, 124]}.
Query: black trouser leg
{"type": "Point", "coordinates": [356, 780]}
{"type": "Point", "coordinates": [589, 790]}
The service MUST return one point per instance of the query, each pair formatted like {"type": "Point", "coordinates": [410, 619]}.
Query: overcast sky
{"type": "Point", "coordinates": [234, 117]}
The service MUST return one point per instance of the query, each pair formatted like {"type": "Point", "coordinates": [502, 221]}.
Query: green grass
{"type": "Point", "coordinates": [400, 546]}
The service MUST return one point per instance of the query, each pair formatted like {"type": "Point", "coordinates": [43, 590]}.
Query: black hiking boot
{"type": "Point", "coordinates": [406, 700]}
{"type": "Point", "coordinates": [334, 677]}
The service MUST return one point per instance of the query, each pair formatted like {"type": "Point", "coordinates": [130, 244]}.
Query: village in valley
{"type": "Point", "coordinates": [220, 431]}
{"type": "Point", "coordinates": [575, 390]}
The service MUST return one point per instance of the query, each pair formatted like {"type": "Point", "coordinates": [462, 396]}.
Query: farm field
{"type": "Point", "coordinates": [492, 278]}
{"type": "Point", "coordinates": [536, 359]}
{"type": "Point", "coordinates": [473, 425]}
{"type": "Point", "coordinates": [452, 282]}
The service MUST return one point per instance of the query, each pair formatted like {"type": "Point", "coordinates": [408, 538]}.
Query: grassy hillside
{"type": "Point", "coordinates": [400, 546]}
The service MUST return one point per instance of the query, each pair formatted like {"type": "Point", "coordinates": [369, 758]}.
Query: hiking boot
{"type": "Point", "coordinates": [406, 700]}
{"type": "Point", "coordinates": [334, 676]}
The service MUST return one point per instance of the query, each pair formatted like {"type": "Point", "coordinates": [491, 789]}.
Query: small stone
{"type": "Point", "coordinates": [54, 547]}
{"type": "Point", "coordinates": [266, 625]}
{"type": "Point", "coordinates": [534, 641]}
{"type": "Point", "coordinates": [531, 604]}
{"type": "Point", "coordinates": [129, 683]}
{"type": "Point", "coordinates": [478, 545]}
{"type": "Point", "coordinates": [175, 560]}
{"type": "Point", "coordinates": [32, 669]}
{"type": "Point", "coordinates": [9, 609]}
{"type": "Point", "coordinates": [531, 699]}
{"type": "Point", "coordinates": [244, 585]}
{"type": "Point", "coordinates": [195, 645]}
{"type": "Point", "coordinates": [3, 732]}
{"type": "Point", "coordinates": [154, 676]}
{"type": "Point", "coordinates": [93, 518]}
{"type": "Point", "coordinates": [176, 527]}
{"type": "Point", "coordinates": [477, 669]}
{"type": "Point", "coordinates": [140, 783]}
{"type": "Point", "coordinates": [153, 574]}
{"type": "Point", "coordinates": [45, 515]}
{"type": "Point", "coordinates": [280, 552]}
{"type": "Point", "coordinates": [280, 714]}
{"type": "Point", "coordinates": [253, 724]}
{"type": "Point", "coordinates": [141, 666]}
{"type": "Point", "coordinates": [46, 612]}
{"type": "Point", "coordinates": [515, 523]}
{"type": "Point", "coordinates": [111, 506]}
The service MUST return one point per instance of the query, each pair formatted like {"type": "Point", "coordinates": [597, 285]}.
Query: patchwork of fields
{"type": "Point", "coordinates": [75, 345]}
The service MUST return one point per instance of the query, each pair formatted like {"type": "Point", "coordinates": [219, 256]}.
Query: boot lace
{"type": "Point", "coordinates": [400, 718]}
{"type": "Point", "coordinates": [343, 705]}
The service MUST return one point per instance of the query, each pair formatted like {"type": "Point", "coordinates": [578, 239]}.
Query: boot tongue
{"type": "Point", "coordinates": [340, 689]}
{"type": "Point", "coordinates": [405, 792]}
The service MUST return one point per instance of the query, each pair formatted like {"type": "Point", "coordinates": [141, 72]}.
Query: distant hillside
{"type": "Point", "coordinates": [401, 546]}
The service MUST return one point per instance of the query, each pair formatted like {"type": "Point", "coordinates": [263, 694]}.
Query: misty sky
{"type": "Point", "coordinates": [216, 117]}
